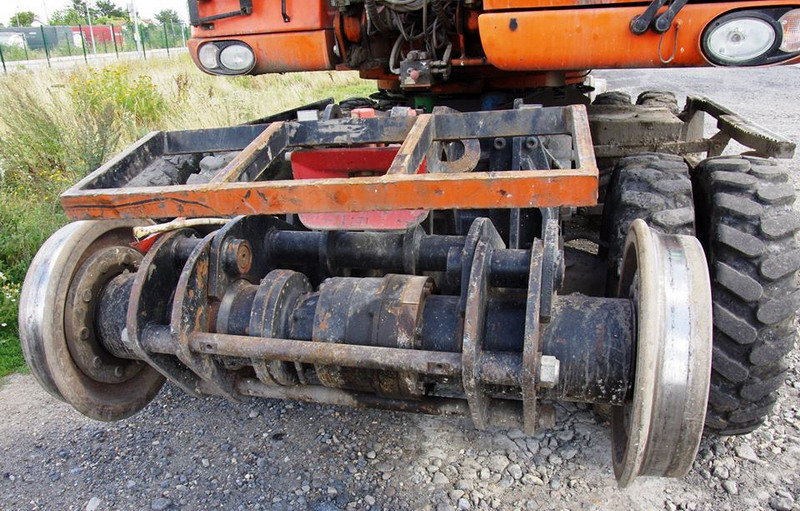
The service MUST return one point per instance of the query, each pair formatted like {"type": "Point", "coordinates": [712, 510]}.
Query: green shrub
{"type": "Point", "coordinates": [114, 90]}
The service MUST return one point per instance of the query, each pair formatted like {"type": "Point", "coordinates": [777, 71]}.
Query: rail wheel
{"type": "Point", "coordinates": [658, 431]}
{"type": "Point", "coordinates": [747, 224]}
{"type": "Point", "coordinates": [58, 328]}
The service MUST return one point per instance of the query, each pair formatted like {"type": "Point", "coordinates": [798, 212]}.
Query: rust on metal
{"type": "Point", "coordinates": [512, 189]}
{"type": "Point", "coordinates": [256, 155]}
{"type": "Point", "coordinates": [415, 147]}
{"type": "Point", "coordinates": [397, 190]}
{"type": "Point", "coordinates": [506, 414]}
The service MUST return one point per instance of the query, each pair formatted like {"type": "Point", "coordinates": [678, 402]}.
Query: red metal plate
{"type": "Point", "coordinates": [352, 162]}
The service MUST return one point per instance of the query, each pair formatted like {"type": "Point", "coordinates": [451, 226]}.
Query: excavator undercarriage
{"type": "Point", "coordinates": [444, 247]}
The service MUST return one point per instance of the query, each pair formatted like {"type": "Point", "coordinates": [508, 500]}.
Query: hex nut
{"type": "Point", "coordinates": [549, 368]}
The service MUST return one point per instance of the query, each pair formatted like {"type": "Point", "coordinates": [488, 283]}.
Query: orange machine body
{"type": "Point", "coordinates": [596, 37]}
{"type": "Point", "coordinates": [523, 38]}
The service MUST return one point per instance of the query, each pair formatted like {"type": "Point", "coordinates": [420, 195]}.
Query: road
{"type": "Point", "coordinates": [100, 59]}
{"type": "Point", "coordinates": [197, 454]}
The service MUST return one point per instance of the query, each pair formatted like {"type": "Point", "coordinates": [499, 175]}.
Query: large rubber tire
{"type": "Point", "coordinates": [614, 97]}
{"type": "Point", "coordinates": [652, 186]}
{"type": "Point", "coordinates": [659, 98]}
{"type": "Point", "coordinates": [747, 225]}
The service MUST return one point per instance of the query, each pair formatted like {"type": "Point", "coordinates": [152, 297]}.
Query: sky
{"type": "Point", "coordinates": [146, 8]}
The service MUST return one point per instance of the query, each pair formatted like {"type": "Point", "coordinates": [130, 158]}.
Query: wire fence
{"type": "Point", "coordinates": [60, 44]}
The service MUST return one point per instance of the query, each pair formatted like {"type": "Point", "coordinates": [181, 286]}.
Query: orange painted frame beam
{"type": "Point", "coordinates": [519, 189]}
{"type": "Point", "coordinates": [401, 190]}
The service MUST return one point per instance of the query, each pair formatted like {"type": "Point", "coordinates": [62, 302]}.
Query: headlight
{"type": "Point", "coordinates": [740, 38]}
{"type": "Point", "coordinates": [207, 55]}
{"type": "Point", "coordinates": [790, 24]}
{"type": "Point", "coordinates": [237, 57]}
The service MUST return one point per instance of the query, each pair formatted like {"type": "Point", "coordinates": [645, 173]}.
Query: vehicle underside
{"type": "Point", "coordinates": [485, 235]}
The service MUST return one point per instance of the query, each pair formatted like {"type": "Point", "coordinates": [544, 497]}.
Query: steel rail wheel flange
{"type": "Point", "coordinates": [657, 433]}
{"type": "Point", "coordinates": [43, 309]}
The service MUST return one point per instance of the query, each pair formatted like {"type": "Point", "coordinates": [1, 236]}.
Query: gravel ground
{"type": "Point", "coordinates": [197, 454]}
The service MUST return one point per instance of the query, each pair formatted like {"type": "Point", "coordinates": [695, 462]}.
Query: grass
{"type": "Point", "coordinates": [56, 126]}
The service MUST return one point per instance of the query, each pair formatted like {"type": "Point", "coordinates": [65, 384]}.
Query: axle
{"type": "Point", "coordinates": [444, 325]}
{"type": "Point", "coordinates": [397, 336]}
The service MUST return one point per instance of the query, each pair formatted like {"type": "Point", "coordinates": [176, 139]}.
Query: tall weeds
{"type": "Point", "coordinates": [55, 127]}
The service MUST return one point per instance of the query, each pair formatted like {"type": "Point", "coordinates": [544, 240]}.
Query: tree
{"type": "Point", "coordinates": [168, 17]}
{"type": "Point", "coordinates": [109, 9]}
{"type": "Point", "coordinates": [22, 19]}
{"type": "Point", "coordinates": [68, 17]}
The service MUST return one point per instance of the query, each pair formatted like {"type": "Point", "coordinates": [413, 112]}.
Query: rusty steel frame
{"type": "Point", "coordinates": [234, 190]}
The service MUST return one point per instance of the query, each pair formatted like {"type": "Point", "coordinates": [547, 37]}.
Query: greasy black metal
{"type": "Point", "coordinates": [370, 312]}
{"type": "Point", "coordinates": [395, 338]}
{"type": "Point", "coordinates": [247, 229]}
{"type": "Point", "coordinates": [550, 262]}
{"type": "Point", "coordinates": [112, 305]}
{"type": "Point", "coordinates": [477, 294]}
{"type": "Point", "coordinates": [80, 328]}
{"type": "Point", "coordinates": [191, 312]}
{"type": "Point", "coordinates": [593, 340]}
{"type": "Point", "coordinates": [245, 7]}
{"type": "Point", "coordinates": [531, 342]}
{"type": "Point", "coordinates": [349, 131]}
{"type": "Point", "coordinates": [388, 252]}
{"type": "Point", "coordinates": [150, 306]}
{"type": "Point", "coordinates": [212, 140]}
{"type": "Point", "coordinates": [500, 123]}
{"type": "Point", "coordinates": [504, 414]}
{"type": "Point", "coordinates": [270, 316]}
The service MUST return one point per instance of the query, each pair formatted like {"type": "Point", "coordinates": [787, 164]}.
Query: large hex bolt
{"type": "Point", "coordinates": [548, 371]}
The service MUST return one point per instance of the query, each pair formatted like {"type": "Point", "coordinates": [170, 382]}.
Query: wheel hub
{"type": "Point", "coordinates": [87, 352]}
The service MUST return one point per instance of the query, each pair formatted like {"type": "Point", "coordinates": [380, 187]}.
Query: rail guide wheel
{"type": "Point", "coordinates": [658, 431]}
{"type": "Point", "coordinates": [58, 332]}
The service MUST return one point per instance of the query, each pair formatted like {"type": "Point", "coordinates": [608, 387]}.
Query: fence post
{"type": "Point", "coordinates": [70, 42]}
{"type": "Point", "coordinates": [166, 39]}
{"type": "Point", "coordinates": [83, 44]}
{"type": "Point", "coordinates": [183, 34]}
{"type": "Point", "coordinates": [3, 59]}
{"type": "Point", "coordinates": [114, 38]}
{"type": "Point", "coordinates": [141, 36]}
{"type": "Point", "coordinates": [46, 49]}
{"type": "Point", "coordinates": [25, 45]}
